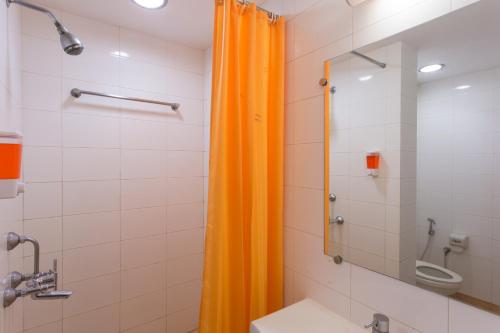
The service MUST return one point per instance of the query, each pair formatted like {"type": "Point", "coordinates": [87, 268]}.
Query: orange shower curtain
{"type": "Point", "coordinates": [243, 275]}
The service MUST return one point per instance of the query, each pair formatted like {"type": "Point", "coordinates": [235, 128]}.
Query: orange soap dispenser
{"type": "Point", "coordinates": [372, 163]}
{"type": "Point", "coordinates": [10, 164]}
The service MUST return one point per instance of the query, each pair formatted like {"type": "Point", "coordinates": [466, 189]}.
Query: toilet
{"type": "Point", "coordinates": [437, 278]}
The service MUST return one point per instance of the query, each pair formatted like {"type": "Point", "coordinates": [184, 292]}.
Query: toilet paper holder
{"type": "Point", "coordinates": [458, 242]}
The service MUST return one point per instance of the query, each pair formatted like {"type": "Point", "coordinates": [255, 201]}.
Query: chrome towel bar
{"type": "Point", "coordinates": [77, 93]}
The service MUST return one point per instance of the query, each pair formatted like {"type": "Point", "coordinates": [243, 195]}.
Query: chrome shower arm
{"type": "Point", "coordinates": [37, 8]}
{"type": "Point", "coordinates": [69, 42]}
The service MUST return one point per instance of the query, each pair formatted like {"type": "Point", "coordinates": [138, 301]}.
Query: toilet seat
{"type": "Point", "coordinates": [451, 277]}
{"type": "Point", "coordinates": [437, 278]}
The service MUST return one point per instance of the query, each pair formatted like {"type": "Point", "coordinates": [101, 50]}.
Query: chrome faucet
{"type": "Point", "coordinates": [380, 323]}
{"type": "Point", "coordinates": [40, 285]}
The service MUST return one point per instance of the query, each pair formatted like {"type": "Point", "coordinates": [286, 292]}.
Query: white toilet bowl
{"type": "Point", "coordinates": [437, 278]}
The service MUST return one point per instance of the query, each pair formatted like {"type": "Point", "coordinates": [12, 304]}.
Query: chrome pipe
{"type": "Point", "coordinates": [13, 240]}
{"type": "Point", "coordinates": [69, 42]}
{"type": "Point", "coordinates": [367, 58]}
{"type": "Point", "coordinates": [77, 93]}
{"type": "Point", "coordinates": [34, 7]}
{"type": "Point", "coordinates": [36, 250]}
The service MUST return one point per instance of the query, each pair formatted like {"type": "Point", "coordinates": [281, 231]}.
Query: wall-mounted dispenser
{"type": "Point", "coordinates": [458, 242]}
{"type": "Point", "coordinates": [10, 164]}
{"type": "Point", "coordinates": [372, 163]}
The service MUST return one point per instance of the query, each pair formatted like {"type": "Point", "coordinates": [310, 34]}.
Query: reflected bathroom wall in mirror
{"type": "Point", "coordinates": [413, 156]}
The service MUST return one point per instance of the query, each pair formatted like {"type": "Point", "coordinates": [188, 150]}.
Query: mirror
{"type": "Point", "coordinates": [412, 162]}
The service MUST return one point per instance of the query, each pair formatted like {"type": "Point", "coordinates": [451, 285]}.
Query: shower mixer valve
{"type": "Point", "coordinates": [40, 285]}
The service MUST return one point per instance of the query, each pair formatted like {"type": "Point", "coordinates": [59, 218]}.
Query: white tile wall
{"type": "Point", "coordinates": [114, 189]}
{"type": "Point", "coordinates": [366, 292]}
{"type": "Point", "coordinates": [11, 115]}
{"type": "Point", "coordinates": [206, 122]}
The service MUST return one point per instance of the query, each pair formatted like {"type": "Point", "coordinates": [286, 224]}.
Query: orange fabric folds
{"type": "Point", "coordinates": [243, 275]}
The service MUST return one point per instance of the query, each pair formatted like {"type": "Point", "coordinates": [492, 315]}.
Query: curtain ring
{"type": "Point", "coordinates": [272, 18]}
{"type": "Point", "coordinates": [244, 5]}
{"type": "Point", "coordinates": [276, 18]}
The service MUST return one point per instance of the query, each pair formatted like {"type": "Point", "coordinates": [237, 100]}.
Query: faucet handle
{"type": "Point", "coordinates": [15, 278]}
{"type": "Point", "coordinates": [380, 323]}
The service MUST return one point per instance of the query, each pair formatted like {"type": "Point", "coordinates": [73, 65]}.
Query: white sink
{"type": "Point", "coordinates": [306, 316]}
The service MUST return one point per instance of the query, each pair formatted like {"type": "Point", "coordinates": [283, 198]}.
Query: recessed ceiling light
{"type": "Point", "coordinates": [365, 78]}
{"type": "Point", "coordinates": [431, 68]}
{"type": "Point", "coordinates": [120, 54]}
{"type": "Point", "coordinates": [463, 87]}
{"type": "Point", "coordinates": [151, 4]}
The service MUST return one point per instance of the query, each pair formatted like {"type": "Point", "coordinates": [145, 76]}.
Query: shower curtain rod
{"type": "Point", "coordinates": [77, 93]}
{"type": "Point", "coordinates": [271, 14]}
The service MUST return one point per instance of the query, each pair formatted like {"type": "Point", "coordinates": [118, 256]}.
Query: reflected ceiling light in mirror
{"type": "Point", "coordinates": [120, 54]}
{"type": "Point", "coordinates": [463, 87]}
{"type": "Point", "coordinates": [365, 78]}
{"type": "Point", "coordinates": [151, 4]}
{"type": "Point", "coordinates": [431, 68]}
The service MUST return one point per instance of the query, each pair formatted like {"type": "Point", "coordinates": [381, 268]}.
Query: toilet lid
{"type": "Point", "coordinates": [431, 272]}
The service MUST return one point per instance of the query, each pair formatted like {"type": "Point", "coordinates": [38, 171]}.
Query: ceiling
{"type": "Point", "coordinates": [185, 21]}
{"type": "Point", "coordinates": [465, 41]}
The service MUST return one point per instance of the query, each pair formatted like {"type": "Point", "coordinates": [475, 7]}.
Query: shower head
{"type": "Point", "coordinates": [69, 42]}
